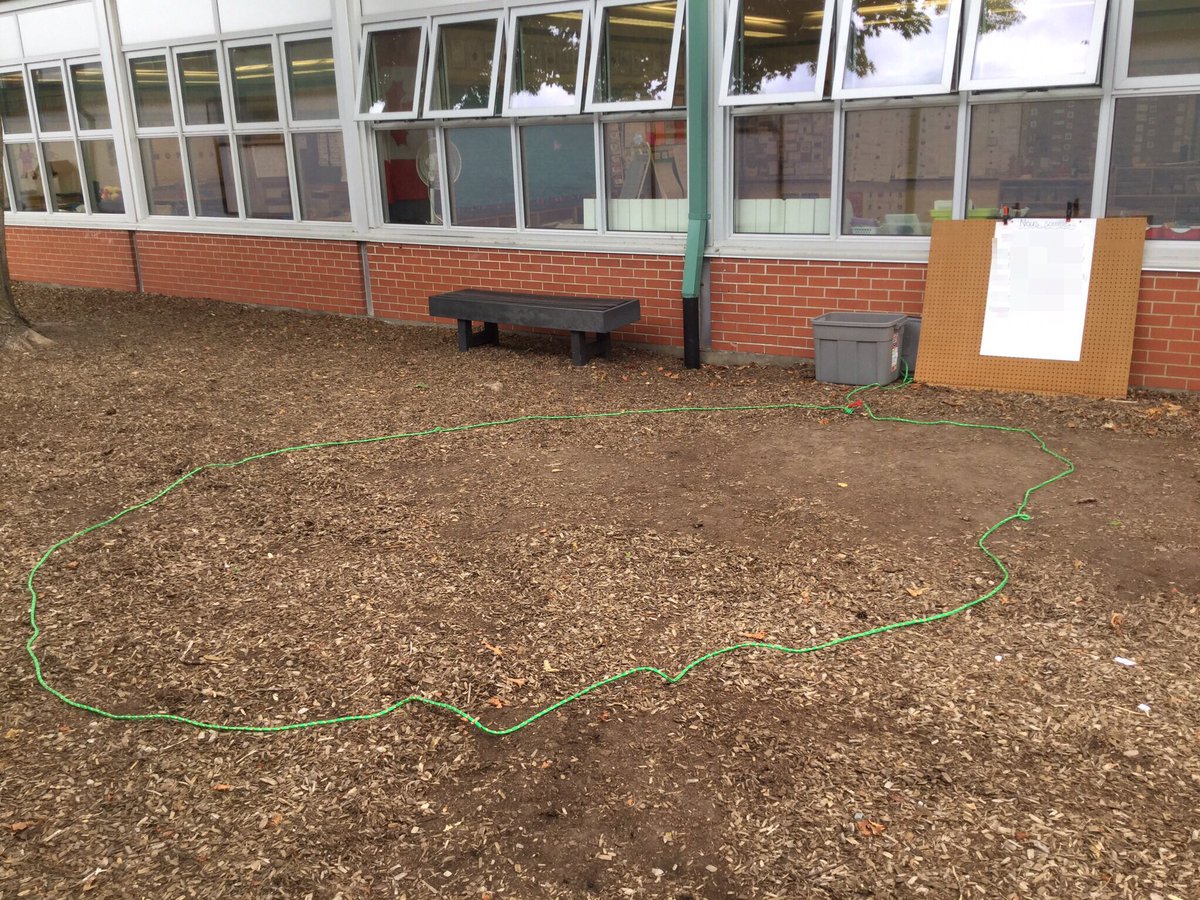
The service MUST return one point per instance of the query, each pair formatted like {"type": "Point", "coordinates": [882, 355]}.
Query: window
{"type": "Point", "coordinates": [558, 168]}
{"type": "Point", "coordinates": [279, 156]}
{"type": "Point", "coordinates": [783, 169]}
{"type": "Point", "coordinates": [545, 61]}
{"type": "Point", "coordinates": [776, 51]}
{"type": "Point", "coordinates": [411, 176]}
{"type": "Point", "coordinates": [646, 163]}
{"type": "Point", "coordinates": [466, 60]}
{"type": "Point", "coordinates": [899, 168]}
{"type": "Point", "coordinates": [1034, 157]}
{"type": "Point", "coordinates": [61, 154]}
{"type": "Point", "coordinates": [479, 164]}
{"type": "Point", "coordinates": [1163, 42]}
{"type": "Point", "coordinates": [636, 59]}
{"type": "Point", "coordinates": [392, 66]}
{"type": "Point", "coordinates": [896, 49]}
{"type": "Point", "coordinates": [1051, 42]}
{"type": "Point", "coordinates": [1155, 164]}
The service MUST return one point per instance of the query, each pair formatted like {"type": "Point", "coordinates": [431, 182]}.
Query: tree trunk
{"type": "Point", "coordinates": [15, 330]}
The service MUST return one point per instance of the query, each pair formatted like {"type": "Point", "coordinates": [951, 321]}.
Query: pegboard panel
{"type": "Point", "coordinates": [956, 292]}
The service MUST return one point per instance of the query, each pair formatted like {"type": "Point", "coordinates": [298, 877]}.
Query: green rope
{"type": "Point", "coordinates": [850, 407]}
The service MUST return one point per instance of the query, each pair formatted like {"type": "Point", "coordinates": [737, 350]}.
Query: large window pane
{"type": "Point", "coordinates": [162, 166]}
{"type": "Point", "coordinates": [91, 100]}
{"type": "Point", "coordinates": [14, 107]}
{"type": "Point", "coordinates": [899, 169]}
{"type": "Point", "coordinates": [254, 98]}
{"type": "Point", "coordinates": [51, 99]}
{"type": "Point", "coordinates": [321, 176]}
{"type": "Point", "coordinates": [633, 61]}
{"type": "Point", "coordinates": [151, 92]}
{"type": "Point", "coordinates": [1166, 38]}
{"type": "Point", "coordinates": [200, 85]}
{"type": "Point", "coordinates": [1155, 169]}
{"type": "Point", "coordinates": [783, 166]}
{"type": "Point", "coordinates": [558, 165]}
{"type": "Point", "coordinates": [65, 184]}
{"type": "Point", "coordinates": [103, 176]}
{"type": "Point", "coordinates": [265, 176]}
{"type": "Point", "coordinates": [393, 60]}
{"type": "Point", "coordinates": [777, 48]}
{"type": "Point", "coordinates": [1034, 158]}
{"type": "Point", "coordinates": [411, 180]}
{"type": "Point", "coordinates": [26, 176]}
{"type": "Point", "coordinates": [1044, 43]}
{"type": "Point", "coordinates": [210, 164]}
{"type": "Point", "coordinates": [481, 177]}
{"type": "Point", "coordinates": [463, 70]}
{"type": "Point", "coordinates": [899, 47]}
{"type": "Point", "coordinates": [646, 164]}
{"type": "Point", "coordinates": [311, 82]}
{"type": "Point", "coordinates": [546, 50]}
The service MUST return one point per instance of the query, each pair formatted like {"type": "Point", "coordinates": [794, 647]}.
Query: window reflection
{"type": "Point", "coordinates": [51, 99]}
{"type": "Point", "coordinates": [1050, 39]}
{"type": "Point", "coordinates": [151, 92]}
{"type": "Point", "coordinates": [899, 169]}
{"type": "Point", "coordinates": [311, 79]}
{"type": "Point", "coordinates": [27, 177]}
{"type": "Point", "coordinates": [782, 170]}
{"type": "Point", "coordinates": [1034, 158]}
{"type": "Point", "coordinates": [546, 60]}
{"type": "Point", "coordinates": [391, 79]}
{"type": "Point", "coordinates": [162, 165]}
{"type": "Point", "coordinates": [210, 162]}
{"type": "Point", "coordinates": [897, 45]}
{"type": "Point", "coordinates": [14, 108]}
{"type": "Point", "coordinates": [265, 179]}
{"type": "Point", "coordinates": [647, 175]}
{"type": "Point", "coordinates": [91, 99]}
{"type": "Point", "coordinates": [254, 97]}
{"type": "Point", "coordinates": [321, 176]}
{"type": "Point", "coordinates": [200, 85]}
{"type": "Point", "coordinates": [634, 58]}
{"type": "Point", "coordinates": [1166, 38]}
{"type": "Point", "coordinates": [1155, 167]}
{"type": "Point", "coordinates": [777, 47]}
{"type": "Point", "coordinates": [463, 65]}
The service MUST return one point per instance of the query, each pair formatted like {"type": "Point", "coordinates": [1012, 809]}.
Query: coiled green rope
{"type": "Point", "coordinates": [851, 407]}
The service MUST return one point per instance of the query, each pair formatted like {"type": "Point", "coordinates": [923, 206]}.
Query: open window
{"type": "Point", "coordinates": [1159, 44]}
{"type": "Point", "coordinates": [776, 51]}
{"type": "Point", "coordinates": [635, 59]}
{"type": "Point", "coordinates": [896, 48]}
{"type": "Point", "coordinates": [1032, 45]}
{"type": "Point", "coordinates": [546, 58]}
{"type": "Point", "coordinates": [393, 66]}
{"type": "Point", "coordinates": [464, 66]}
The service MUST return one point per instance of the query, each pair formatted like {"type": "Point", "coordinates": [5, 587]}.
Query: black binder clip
{"type": "Point", "coordinates": [1004, 215]}
{"type": "Point", "coordinates": [1069, 206]}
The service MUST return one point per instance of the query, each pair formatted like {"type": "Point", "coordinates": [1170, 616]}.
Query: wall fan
{"type": "Point", "coordinates": [428, 172]}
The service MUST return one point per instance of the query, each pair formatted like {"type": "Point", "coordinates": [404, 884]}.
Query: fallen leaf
{"type": "Point", "coordinates": [12, 734]}
{"type": "Point", "coordinates": [755, 635]}
{"type": "Point", "coordinates": [843, 484]}
{"type": "Point", "coordinates": [517, 682]}
{"type": "Point", "coordinates": [546, 667]}
{"type": "Point", "coordinates": [1117, 623]}
{"type": "Point", "coordinates": [867, 828]}
{"type": "Point", "coordinates": [1078, 563]}
{"type": "Point", "coordinates": [497, 702]}
{"type": "Point", "coordinates": [496, 650]}
{"type": "Point", "coordinates": [1109, 426]}
{"type": "Point", "coordinates": [822, 421]}
{"type": "Point", "coordinates": [222, 787]}
{"type": "Point", "coordinates": [275, 820]}
{"type": "Point", "coordinates": [914, 591]}
{"type": "Point", "coordinates": [20, 826]}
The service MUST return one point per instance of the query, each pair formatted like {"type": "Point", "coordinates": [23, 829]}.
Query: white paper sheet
{"type": "Point", "coordinates": [1038, 289]}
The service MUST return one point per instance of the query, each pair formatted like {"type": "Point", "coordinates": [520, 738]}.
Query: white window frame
{"type": "Point", "coordinates": [1122, 78]}
{"type": "Point", "coordinates": [1090, 76]}
{"type": "Point", "coordinates": [431, 74]}
{"type": "Point", "coordinates": [290, 120]}
{"type": "Point", "coordinates": [817, 93]}
{"type": "Point", "coordinates": [594, 105]}
{"type": "Point", "coordinates": [901, 90]}
{"type": "Point", "coordinates": [275, 124]}
{"type": "Point", "coordinates": [364, 113]}
{"type": "Point", "coordinates": [581, 63]}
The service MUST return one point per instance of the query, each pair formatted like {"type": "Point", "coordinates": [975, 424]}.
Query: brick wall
{"type": "Point", "coordinates": [758, 306]}
{"type": "Point", "coordinates": [1166, 338]}
{"type": "Point", "coordinates": [403, 276]}
{"type": "Point", "coordinates": [321, 276]}
{"type": "Point", "coordinates": [83, 257]}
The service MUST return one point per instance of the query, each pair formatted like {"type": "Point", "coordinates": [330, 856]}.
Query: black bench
{"type": "Point", "coordinates": [578, 315]}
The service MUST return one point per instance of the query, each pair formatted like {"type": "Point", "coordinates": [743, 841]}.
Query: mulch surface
{"type": "Point", "coordinates": [1002, 752]}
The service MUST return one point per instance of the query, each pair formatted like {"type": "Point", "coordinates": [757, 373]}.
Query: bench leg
{"type": "Point", "coordinates": [468, 337]}
{"type": "Point", "coordinates": [582, 351]}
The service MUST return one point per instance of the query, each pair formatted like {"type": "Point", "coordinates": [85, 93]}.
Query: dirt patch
{"type": "Point", "coordinates": [1002, 752]}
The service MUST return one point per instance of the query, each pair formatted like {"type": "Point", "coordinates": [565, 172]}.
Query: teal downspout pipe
{"type": "Point", "coordinates": [697, 138]}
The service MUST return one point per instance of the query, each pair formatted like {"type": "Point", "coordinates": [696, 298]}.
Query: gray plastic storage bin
{"type": "Point", "coordinates": [858, 348]}
{"type": "Point", "coordinates": [910, 344]}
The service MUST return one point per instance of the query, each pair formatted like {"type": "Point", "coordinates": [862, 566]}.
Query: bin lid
{"type": "Point", "coordinates": [861, 319]}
